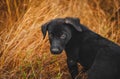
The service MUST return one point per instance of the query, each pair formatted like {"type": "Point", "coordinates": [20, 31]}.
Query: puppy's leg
{"type": "Point", "coordinates": [73, 68]}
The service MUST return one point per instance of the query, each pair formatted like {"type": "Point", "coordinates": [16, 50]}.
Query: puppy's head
{"type": "Point", "coordinates": [59, 31]}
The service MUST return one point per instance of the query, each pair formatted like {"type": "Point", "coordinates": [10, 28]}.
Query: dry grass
{"type": "Point", "coordinates": [23, 52]}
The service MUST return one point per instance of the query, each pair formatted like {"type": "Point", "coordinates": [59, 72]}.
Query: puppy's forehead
{"type": "Point", "coordinates": [58, 20]}
{"type": "Point", "coordinates": [56, 25]}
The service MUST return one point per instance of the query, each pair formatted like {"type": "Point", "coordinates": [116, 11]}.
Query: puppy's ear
{"type": "Point", "coordinates": [44, 29]}
{"type": "Point", "coordinates": [75, 22]}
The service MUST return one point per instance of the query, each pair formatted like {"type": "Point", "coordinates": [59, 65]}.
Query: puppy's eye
{"type": "Point", "coordinates": [63, 36]}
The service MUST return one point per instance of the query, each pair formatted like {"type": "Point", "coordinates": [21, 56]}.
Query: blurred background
{"type": "Point", "coordinates": [23, 52]}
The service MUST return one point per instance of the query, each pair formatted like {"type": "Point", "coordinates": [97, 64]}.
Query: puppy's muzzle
{"type": "Point", "coordinates": [55, 50]}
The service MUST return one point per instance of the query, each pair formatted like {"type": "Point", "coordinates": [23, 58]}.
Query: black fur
{"type": "Point", "coordinates": [99, 56]}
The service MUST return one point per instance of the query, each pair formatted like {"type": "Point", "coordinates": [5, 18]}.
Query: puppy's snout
{"type": "Point", "coordinates": [55, 50]}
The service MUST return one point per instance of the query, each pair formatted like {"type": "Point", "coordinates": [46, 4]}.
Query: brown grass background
{"type": "Point", "coordinates": [23, 52]}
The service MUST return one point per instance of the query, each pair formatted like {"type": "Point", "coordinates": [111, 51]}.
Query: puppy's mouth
{"type": "Point", "coordinates": [56, 51]}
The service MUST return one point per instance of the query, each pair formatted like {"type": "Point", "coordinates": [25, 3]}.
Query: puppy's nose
{"type": "Point", "coordinates": [55, 50]}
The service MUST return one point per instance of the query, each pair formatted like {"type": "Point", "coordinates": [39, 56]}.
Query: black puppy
{"type": "Point", "coordinates": [99, 57]}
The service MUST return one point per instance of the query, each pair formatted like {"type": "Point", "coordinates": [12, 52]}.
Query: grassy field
{"type": "Point", "coordinates": [23, 52]}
